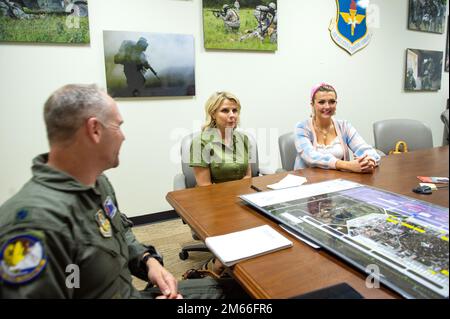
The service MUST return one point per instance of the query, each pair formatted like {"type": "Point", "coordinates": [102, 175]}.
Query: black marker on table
{"type": "Point", "coordinates": [255, 188]}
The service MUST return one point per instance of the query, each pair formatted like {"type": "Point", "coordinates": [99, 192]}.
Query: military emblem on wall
{"type": "Point", "coordinates": [427, 15]}
{"type": "Point", "coordinates": [149, 64]}
{"type": "Point", "coordinates": [240, 24]}
{"type": "Point", "coordinates": [64, 21]}
{"type": "Point", "coordinates": [423, 70]}
{"type": "Point", "coordinates": [349, 28]}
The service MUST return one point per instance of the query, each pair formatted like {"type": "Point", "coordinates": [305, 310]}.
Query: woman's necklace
{"type": "Point", "coordinates": [324, 132]}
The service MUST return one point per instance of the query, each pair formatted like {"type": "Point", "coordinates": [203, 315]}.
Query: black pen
{"type": "Point", "coordinates": [255, 188]}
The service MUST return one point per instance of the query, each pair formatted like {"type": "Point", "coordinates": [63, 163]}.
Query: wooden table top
{"type": "Point", "coordinates": [216, 209]}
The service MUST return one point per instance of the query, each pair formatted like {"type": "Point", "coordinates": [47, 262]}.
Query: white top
{"type": "Point", "coordinates": [335, 149]}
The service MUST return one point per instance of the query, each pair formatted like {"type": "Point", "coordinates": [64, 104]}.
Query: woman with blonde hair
{"type": "Point", "coordinates": [220, 153]}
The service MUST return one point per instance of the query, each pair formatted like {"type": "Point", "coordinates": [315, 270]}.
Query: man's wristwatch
{"type": "Point", "coordinates": [151, 253]}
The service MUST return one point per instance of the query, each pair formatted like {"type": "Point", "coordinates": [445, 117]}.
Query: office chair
{"type": "Point", "coordinates": [288, 151]}
{"type": "Point", "coordinates": [388, 132]}
{"type": "Point", "coordinates": [186, 179]}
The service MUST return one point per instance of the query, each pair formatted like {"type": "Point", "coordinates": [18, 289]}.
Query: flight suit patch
{"type": "Point", "coordinates": [109, 207]}
{"type": "Point", "coordinates": [21, 215]}
{"type": "Point", "coordinates": [103, 224]}
{"type": "Point", "coordinates": [22, 258]}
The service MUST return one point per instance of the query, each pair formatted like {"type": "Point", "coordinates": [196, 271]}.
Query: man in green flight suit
{"type": "Point", "coordinates": [63, 235]}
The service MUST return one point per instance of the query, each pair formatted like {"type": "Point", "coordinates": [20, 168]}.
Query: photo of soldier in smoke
{"type": "Point", "coordinates": [135, 64]}
{"type": "Point", "coordinates": [241, 25]}
{"type": "Point", "coordinates": [427, 15]}
{"type": "Point", "coordinates": [142, 64]}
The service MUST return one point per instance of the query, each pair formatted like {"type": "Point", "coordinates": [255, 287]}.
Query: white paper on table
{"type": "Point", "coordinates": [241, 245]}
{"type": "Point", "coordinates": [289, 181]}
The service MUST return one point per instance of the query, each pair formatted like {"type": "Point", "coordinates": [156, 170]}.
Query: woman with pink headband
{"type": "Point", "coordinates": [325, 142]}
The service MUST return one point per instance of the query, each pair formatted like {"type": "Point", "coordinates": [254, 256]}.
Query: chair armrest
{"type": "Point", "coordinates": [179, 182]}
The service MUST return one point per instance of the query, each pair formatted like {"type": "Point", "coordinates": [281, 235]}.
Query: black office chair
{"type": "Point", "coordinates": [186, 179]}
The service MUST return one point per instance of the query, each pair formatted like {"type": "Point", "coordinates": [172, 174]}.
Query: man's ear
{"type": "Point", "coordinates": [94, 129]}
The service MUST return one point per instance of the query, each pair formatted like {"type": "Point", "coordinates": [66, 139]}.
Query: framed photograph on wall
{"type": "Point", "coordinates": [423, 70]}
{"type": "Point", "coordinates": [240, 24]}
{"type": "Point", "coordinates": [427, 15]}
{"type": "Point", "coordinates": [47, 21]}
{"type": "Point", "coordinates": [448, 47]}
{"type": "Point", "coordinates": [140, 64]}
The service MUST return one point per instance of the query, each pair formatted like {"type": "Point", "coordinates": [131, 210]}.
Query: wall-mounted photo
{"type": "Point", "coordinates": [240, 24]}
{"type": "Point", "coordinates": [427, 15]}
{"type": "Point", "coordinates": [149, 64]}
{"type": "Point", "coordinates": [423, 70]}
{"type": "Point", "coordinates": [448, 47]}
{"type": "Point", "coordinates": [62, 21]}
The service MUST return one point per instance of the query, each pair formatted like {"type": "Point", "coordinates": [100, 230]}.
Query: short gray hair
{"type": "Point", "coordinates": [69, 107]}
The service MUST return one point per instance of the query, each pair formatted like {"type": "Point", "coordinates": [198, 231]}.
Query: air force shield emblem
{"type": "Point", "coordinates": [349, 28]}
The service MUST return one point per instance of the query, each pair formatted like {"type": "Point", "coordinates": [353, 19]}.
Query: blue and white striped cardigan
{"type": "Point", "coordinates": [306, 144]}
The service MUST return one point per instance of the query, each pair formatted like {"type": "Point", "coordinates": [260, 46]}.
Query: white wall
{"type": "Point", "coordinates": [273, 88]}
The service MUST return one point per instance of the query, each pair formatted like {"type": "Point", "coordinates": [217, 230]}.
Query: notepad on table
{"type": "Point", "coordinates": [289, 181]}
{"type": "Point", "coordinates": [235, 247]}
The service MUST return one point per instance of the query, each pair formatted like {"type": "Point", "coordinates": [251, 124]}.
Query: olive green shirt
{"type": "Point", "coordinates": [66, 223]}
{"type": "Point", "coordinates": [226, 162]}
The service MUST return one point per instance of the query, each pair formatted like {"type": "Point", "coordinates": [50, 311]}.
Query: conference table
{"type": "Point", "coordinates": [217, 209]}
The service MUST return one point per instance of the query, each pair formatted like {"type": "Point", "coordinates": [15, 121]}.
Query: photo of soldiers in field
{"type": "Point", "coordinates": [62, 21]}
{"type": "Point", "coordinates": [240, 24]}
{"type": "Point", "coordinates": [141, 64]}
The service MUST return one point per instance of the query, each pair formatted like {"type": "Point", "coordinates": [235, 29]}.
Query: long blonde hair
{"type": "Point", "coordinates": [213, 103]}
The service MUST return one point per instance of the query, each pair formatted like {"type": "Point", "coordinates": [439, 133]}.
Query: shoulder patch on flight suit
{"type": "Point", "coordinates": [109, 207]}
{"type": "Point", "coordinates": [103, 224]}
{"type": "Point", "coordinates": [22, 258]}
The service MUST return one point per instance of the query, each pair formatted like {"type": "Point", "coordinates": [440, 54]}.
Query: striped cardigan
{"type": "Point", "coordinates": [306, 144]}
